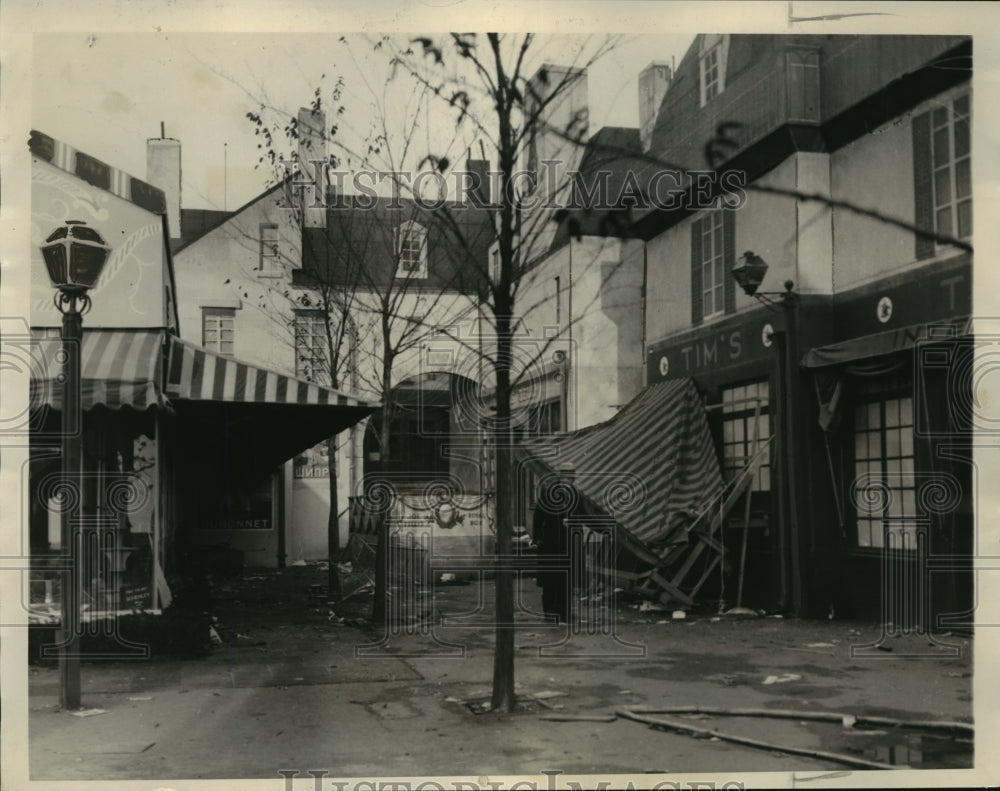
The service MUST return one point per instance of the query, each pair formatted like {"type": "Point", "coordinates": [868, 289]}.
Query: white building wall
{"type": "Point", "coordinates": [876, 172]}
{"type": "Point", "coordinates": [598, 324]}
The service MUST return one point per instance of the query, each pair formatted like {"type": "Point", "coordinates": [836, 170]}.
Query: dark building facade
{"type": "Point", "coordinates": [850, 176]}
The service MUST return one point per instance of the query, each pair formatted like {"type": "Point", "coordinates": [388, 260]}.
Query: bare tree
{"type": "Point", "coordinates": [358, 262]}
{"type": "Point", "coordinates": [497, 84]}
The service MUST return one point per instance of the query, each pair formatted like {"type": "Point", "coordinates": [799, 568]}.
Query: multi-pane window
{"type": "Point", "coordinates": [218, 328]}
{"type": "Point", "coordinates": [713, 276]}
{"type": "Point", "coordinates": [546, 419]}
{"type": "Point", "coordinates": [710, 83]}
{"type": "Point", "coordinates": [270, 261]}
{"type": "Point", "coordinates": [311, 346]}
{"type": "Point", "coordinates": [952, 166]}
{"type": "Point", "coordinates": [746, 426]}
{"type": "Point", "coordinates": [411, 249]}
{"type": "Point", "coordinates": [541, 420]}
{"type": "Point", "coordinates": [884, 488]}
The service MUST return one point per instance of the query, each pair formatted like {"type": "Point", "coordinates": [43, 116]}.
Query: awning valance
{"type": "Point", "coordinates": [197, 374]}
{"type": "Point", "coordinates": [884, 343]}
{"type": "Point", "coordinates": [233, 413]}
{"type": "Point", "coordinates": [119, 368]}
{"type": "Point", "coordinates": [652, 466]}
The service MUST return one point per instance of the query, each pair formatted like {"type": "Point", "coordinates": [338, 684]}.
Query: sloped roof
{"type": "Point", "coordinates": [609, 157]}
{"type": "Point", "coordinates": [196, 223]}
{"type": "Point", "coordinates": [852, 68]}
{"type": "Point", "coordinates": [358, 244]}
{"type": "Point", "coordinates": [864, 82]}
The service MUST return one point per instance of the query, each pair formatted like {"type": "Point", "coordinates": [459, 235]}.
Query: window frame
{"type": "Point", "coordinates": [269, 264]}
{"type": "Point", "coordinates": [220, 313]}
{"type": "Point", "coordinates": [403, 234]}
{"type": "Point", "coordinates": [712, 61]}
{"type": "Point", "coordinates": [901, 511]}
{"type": "Point", "coordinates": [306, 319]}
{"type": "Point", "coordinates": [948, 120]}
{"type": "Point", "coordinates": [742, 407]}
{"type": "Point", "coordinates": [712, 228]}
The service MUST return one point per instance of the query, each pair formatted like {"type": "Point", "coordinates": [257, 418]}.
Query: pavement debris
{"type": "Point", "coordinates": [784, 678]}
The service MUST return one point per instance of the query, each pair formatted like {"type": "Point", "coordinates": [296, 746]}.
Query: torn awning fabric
{"type": "Point", "coordinates": [882, 344]}
{"type": "Point", "coordinates": [652, 467]}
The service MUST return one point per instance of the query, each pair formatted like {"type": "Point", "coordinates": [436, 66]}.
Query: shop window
{"type": "Point", "coordinates": [270, 259]}
{"type": "Point", "coordinates": [218, 330]}
{"type": "Point", "coordinates": [411, 250]}
{"type": "Point", "coordinates": [883, 455]}
{"type": "Point", "coordinates": [942, 172]}
{"type": "Point", "coordinates": [712, 254]}
{"type": "Point", "coordinates": [311, 346]}
{"type": "Point", "coordinates": [746, 424]}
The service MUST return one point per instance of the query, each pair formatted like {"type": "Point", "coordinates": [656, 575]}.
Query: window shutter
{"type": "Point", "coordinates": [728, 258]}
{"type": "Point", "coordinates": [923, 213]}
{"type": "Point", "coordinates": [696, 287]}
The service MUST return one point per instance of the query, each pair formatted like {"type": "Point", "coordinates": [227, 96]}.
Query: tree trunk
{"type": "Point", "coordinates": [333, 524]}
{"type": "Point", "coordinates": [503, 698]}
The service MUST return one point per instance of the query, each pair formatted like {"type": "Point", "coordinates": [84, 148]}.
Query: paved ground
{"type": "Point", "coordinates": [291, 688]}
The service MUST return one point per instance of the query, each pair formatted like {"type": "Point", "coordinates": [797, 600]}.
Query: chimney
{"type": "Point", "coordinates": [479, 178]}
{"type": "Point", "coordinates": [654, 81]}
{"type": "Point", "coordinates": [163, 170]}
{"type": "Point", "coordinates": [312, 147]}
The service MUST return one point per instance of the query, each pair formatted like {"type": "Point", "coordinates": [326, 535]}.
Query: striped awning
{"type": "Point", "coordinates": [232, 414]}
{"type": "Point", "coordinates": [890, 342]}
{"type": "Point", "coordinates": [652, 467]}
{"type": "Point", "coordinates": [119, 368]}
{"type": "Point", "coordinates": [196, 374]}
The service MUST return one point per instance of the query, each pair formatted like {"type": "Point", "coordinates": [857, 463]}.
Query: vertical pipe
{"type": "Point", "coordinates": [795, 523]}
{"type": "Point", "coordinates": [69, 642]}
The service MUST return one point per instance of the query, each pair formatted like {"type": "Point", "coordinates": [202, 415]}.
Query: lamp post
{"type": "Point", "coordinates": [749, 273]}
{"type": "Point", "coordinates": [74, 255]}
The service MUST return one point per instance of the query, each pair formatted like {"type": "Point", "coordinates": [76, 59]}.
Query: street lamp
{"type": "Point", "coordinates": [749, 273]}
{"type": "Point", "coordinates": [74, 256]}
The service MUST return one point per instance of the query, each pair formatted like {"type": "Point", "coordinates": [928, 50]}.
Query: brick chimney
{"type": "Point", "coordinates": [312, 147]}
{"type": "Point", "coordinates": [479, 178]}
{"type": "Point", "coordinates": [163, 170]}
{"type": "Point", "coordinates": [654, 80]}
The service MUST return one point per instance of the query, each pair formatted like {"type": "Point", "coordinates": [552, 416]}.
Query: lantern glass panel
{"type": "Point", "coordinates": [55, 262]}
{"type": "Point", "coordinates": [86, 262]}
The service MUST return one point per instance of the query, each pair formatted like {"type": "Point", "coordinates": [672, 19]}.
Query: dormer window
{"type": "Point", "coordinates": [411, 250]}
{"type": "Point", "coordinates": [712, 59]}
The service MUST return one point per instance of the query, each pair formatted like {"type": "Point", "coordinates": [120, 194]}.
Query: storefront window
{"type": "Point", "coordinates": [746, 422]}
{"type": "Point", "coordinates": [884, 487]}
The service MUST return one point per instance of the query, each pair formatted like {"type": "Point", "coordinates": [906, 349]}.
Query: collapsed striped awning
{"type": "Point", "coordinates": [652, 466]}
{"type": "Point", "coordinates": [196, 374]}
{"type": "Point", "coordinates": [119, 368]}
